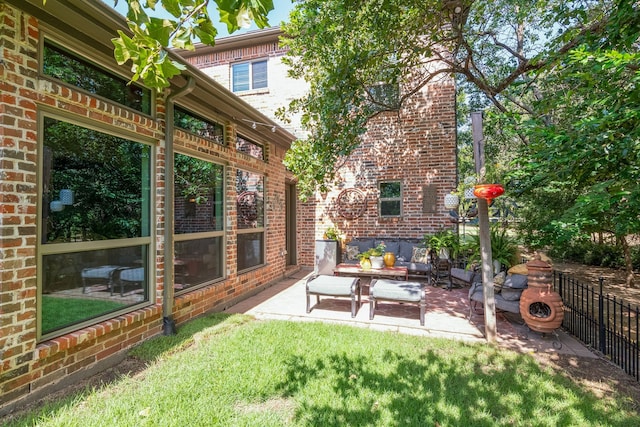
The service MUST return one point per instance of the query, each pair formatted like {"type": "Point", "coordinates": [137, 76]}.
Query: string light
{"type": "Point", "coordinates": [255, 124]}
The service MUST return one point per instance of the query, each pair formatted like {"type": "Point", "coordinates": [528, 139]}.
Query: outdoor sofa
{"type": "Point", "coordinates": [507, 295]}
{"type": "Point", "coordinates": [410, 253]}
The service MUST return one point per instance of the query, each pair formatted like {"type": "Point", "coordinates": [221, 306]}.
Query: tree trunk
{"type": "Point", "coordinates": [628, 262]}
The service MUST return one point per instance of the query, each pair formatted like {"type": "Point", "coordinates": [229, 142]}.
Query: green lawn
{"type": "Point", "coordinates": [234, 371]}
{"type": "Point", "coordinates": [58, 312]}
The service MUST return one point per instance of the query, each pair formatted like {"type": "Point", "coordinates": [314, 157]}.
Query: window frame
{"type": "Point", "coordinates": [251, 74]}
{"type": "Point", "coordinates": [200, 117]}
{"type": "Point", "coordinates": [45, 249]}
{"type": "Point", "coordinates": [382, 200]}
{"type": "Point", "coordinates": [258, 229]}
{"type": "Point", "coordinates": [199, 235]}
{"type": "Point", "coordinates": [251, 143]}
{"type": "Point", "coordinates": [97, 60]}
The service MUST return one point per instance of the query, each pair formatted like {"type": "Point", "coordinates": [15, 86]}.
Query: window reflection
{"type": "Point", "coordinates": [95, 201]}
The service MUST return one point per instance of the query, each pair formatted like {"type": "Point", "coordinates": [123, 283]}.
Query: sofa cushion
{"type": "Point", "coordinates": [406, 250]}
{"type": "Point", "coordinates": [420, 255]}
{"type": "Point", "coordinates": [391, 246]}
{"type": "Point", "coordinates": [352, 252]}
{"type": "Point", "coordinates": [515, 281]}
{"type": "Point", "coordinates": [510, 294]}
{"type": "Point", "coordinates": [362, 244]}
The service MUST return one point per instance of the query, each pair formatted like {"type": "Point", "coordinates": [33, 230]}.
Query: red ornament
{"type": "Point", "coordinates": [488, 191]}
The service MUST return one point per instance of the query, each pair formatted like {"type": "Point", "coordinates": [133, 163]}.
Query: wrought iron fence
{"type": "Point", "coordinates": [604, 322]}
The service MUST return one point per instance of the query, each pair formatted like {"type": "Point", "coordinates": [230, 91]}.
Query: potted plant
{"type": "Point", "coordinates": [331, 233]}
{"type": "Point", "coordinates": [445, 243]}
{"type": "Point", "coordinates": [372, 258]}
{"type": "Point", "coordinates": [504, 249]}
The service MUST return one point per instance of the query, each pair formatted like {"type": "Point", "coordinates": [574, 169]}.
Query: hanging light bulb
{"type": "Point", "coordinates": [253, 126]}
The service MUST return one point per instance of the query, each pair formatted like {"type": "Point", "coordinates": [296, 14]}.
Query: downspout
{"type": "Point", "coordinates": [168, 324]}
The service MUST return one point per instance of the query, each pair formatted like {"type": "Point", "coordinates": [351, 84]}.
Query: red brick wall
{"type": "Point", "coordinates": [417, 146]}
{"type": "Point", "coordinates": [29, 367]}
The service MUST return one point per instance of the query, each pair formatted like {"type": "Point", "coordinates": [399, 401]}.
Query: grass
{"type": "Point", "coordinates": [60, 312]}
{"type": "Point", "coordinates": [226, 370]}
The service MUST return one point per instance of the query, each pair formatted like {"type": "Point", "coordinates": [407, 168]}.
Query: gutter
{"type": "Point", "coordinates": [168, 324]}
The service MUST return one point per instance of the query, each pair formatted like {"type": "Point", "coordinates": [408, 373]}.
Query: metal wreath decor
{"type": "Point", "coordinates": [351, 203]}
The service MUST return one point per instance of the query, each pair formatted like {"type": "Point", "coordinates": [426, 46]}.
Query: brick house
{"type": "Point", "coordinates": [88, 166]}
{"type": "Point", "coordinates": [393, 185]}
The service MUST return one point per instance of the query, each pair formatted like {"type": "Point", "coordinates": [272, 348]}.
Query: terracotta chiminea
{"type": "Point", "coordinates": [540, 307]}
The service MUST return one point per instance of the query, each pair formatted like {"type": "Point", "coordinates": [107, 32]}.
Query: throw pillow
{"type": "Point", "coordinates": [518, 269]}
{"type": "Point", "coordinates": [515, 281]}
{"type": "Point", "coordinates": [420, 255]}
{"type": "Point", "coordinates": [352, 252]}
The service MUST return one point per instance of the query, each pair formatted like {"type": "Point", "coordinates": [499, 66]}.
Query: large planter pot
{"type": "Point", "coordinates": [376, 262]}
{"type": "Point", "coordinates": [389, 259]}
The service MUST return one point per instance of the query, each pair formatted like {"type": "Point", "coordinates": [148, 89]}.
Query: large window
{"type": "Point", "coordinates": [204, 128]}
{"type": "Point", "coordinates": [95, 226]}
{"type": "Point", "coordinates": [71, 69]}
{"type": "Point", "coordinates": [250, 214]}
{"type": "Point", "coordinates": [249, 75]}
{"type": "Point", "coordinates": [390, 198]}
{"type": "Point", "coordinates": [198, 221]}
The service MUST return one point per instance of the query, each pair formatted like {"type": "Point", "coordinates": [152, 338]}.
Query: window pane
{"type": "Point", "coordinates": [250, 200]}
{"type": "Point", "coordinates": [95, 186]}
{"type": "Point", "coordinates": [259, 74]}
{"type": "Point", "coordinates": [198, 195]}
{"type": "Point", "coordinates": [80, 286]}
{"type": "Point", "coordinates": [251, 148]}
{"type": "Point", "coordinates": [240, 77]}
{"type": "Point", "coordinates": [250, 252]}
{"type": "Point", "coordinates": [198, 261]}
{"type": "Point", "coordinates": [390, 190]}
{"type": "Point", "coordinates": [201, 127]}
{"type": "Point", "coordinates": [390, 208]}
{"type": "Point", "coordinates": [75, 71]}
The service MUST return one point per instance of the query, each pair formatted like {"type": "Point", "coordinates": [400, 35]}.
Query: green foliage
{"type": "Point", "coordinates": [504, 247]}
{"type": "Point", "coordinates": [149, 38]}
{"type": "Point", "coordinates": [445, 238]}
{"type": "Point", "coordinates": [344, 49]}
{"type": "Point", "coordinates": [588, 252]}
{"type": "Point", "coordinates": [377, 251]}
{"type": "Point", "coordinates": [332, 233]}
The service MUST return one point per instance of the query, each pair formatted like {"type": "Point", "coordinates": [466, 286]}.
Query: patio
{"type": "Point", "coordinates": [446, 317]}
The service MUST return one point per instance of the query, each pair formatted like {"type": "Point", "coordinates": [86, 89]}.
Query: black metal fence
{"type": "Point", "coordinates": [601, 321]}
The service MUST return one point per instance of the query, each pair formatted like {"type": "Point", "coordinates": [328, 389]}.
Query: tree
{"type": "Point", "coordinates": [583, 164]}
{"type": "Point", "coordinates": [150, 36]}
{"type": "Point", "coordinates": [344, 49]}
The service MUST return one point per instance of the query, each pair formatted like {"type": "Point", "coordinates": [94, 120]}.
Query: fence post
{"type": "Point", "coordinates": [603, 335]}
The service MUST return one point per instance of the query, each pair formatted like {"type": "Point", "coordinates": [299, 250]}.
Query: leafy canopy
{"type": "Point", "coordinates": [344, 49]}
{"type": "Point", "coordinates": [190, 21]}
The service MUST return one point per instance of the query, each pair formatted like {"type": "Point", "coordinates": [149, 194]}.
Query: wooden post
{"type": "Point", "coordinates": [484, 234]}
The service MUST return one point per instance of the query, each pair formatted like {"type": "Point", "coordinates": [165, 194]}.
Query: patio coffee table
{"type": "Point", "coordinates": [356, 270]}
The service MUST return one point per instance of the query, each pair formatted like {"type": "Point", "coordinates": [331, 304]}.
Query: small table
{"type": "Point", "coordinates": [356, 270]}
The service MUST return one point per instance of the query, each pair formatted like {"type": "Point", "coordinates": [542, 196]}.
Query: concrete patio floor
{"type": "Point", "coordinates": [446, 317]}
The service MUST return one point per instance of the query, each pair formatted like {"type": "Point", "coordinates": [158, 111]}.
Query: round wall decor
{"type": "Point", "coordinates": [351, 203]}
